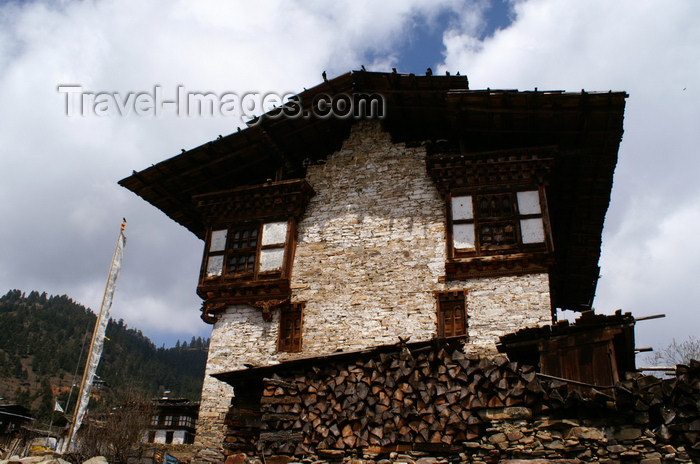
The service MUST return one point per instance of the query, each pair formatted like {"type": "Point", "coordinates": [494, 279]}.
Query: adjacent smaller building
{"type": "Point", "coordinates": [173, 421]}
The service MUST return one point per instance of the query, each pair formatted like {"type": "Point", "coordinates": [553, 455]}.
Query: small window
{"type": "Point", "coordinates": [290, 328]}
{"type": "Point", "coordinates": [168, 421]}
{"type": "Point", "coordinates": [154, 420]}
{"type": "Point", "coordinates": [452, 313]}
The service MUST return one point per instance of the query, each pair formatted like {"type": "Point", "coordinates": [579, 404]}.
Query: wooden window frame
{"type": "Point", "coordinates": [451, 297]}
{"type": "Point", "coordinates": [290, 314]}
{"type": "Point", "coordinates": [515, 218]}
{"type": "Point", "coordinates": [230, 251]}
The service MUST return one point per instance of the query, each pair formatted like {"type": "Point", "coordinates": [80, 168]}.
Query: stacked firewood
{"type": "Point", "coordinates": [437, 399]}
{"type": "Point", "coordinates": [671, 406]}
{"type": "Point", "coordinates": [428, 400]}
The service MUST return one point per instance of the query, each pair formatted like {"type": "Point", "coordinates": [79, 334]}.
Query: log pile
{"type": "Point", "coordinates": [243, 422]}
{"type": "Point", "coordinates": [671, 406]}
{"type": "Point", "coordinates": [426, 400]}
{"type": "Point", "coordinates": [438, 400]}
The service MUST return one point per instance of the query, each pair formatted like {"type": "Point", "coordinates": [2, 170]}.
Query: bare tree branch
{"type": "Point", "coordinates": [677, 353]}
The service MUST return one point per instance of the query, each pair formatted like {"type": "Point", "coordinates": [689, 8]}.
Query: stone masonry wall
{"type": "Point", "coordinates": [370, 253]}
{"type": "Point", "coordinates": [239, 335]}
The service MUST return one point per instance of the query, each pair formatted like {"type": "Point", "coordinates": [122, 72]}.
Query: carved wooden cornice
{"type": "Point", "coordinates": [472, 172]}
{"type": "Point", "coordinates": [273, 200]}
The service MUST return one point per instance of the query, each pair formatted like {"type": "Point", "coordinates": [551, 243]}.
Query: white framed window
{"type": "Point", "coordinates": [247, 251]}
{"type": "Point", "coordinates": [496, 223]}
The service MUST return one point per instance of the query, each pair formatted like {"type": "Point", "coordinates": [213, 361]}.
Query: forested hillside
{"type": "Point", "coordinates": [41, 338]}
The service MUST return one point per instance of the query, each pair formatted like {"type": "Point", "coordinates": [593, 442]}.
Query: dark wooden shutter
{"type": "Point", "coordinates": [452, 313]}
{"type": "Point", "coordinates": [290, 328]}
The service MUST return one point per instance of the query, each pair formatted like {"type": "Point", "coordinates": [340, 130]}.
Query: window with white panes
{"type": "Point", "coordinates": [247, 251]}
{"type": "Point", "coordinates": [496, 223]}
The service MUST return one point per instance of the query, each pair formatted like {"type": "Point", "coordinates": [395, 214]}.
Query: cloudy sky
{"type": "Point", "coordinates": [58, 174]}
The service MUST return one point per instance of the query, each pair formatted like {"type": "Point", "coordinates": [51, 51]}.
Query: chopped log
{"type": "Point", "coordinates": [510, 401]}
{"type": "Point", "coordinates": [362, 391]}
{"type": "Point", "coordinates": [517, 390]}
{"type": "Point", "coordinates": [280, 436]}
{"type": "Point", "coordinates": [279, 400]}
{"type": "Point", "coordinates": [440, 389]}
{"type": "Point", "coordinates": [476, 403]}
{"type": "Point", "coordinates": [495, 402]}
{"type": "Point", "coordinates": [333, 429]}
{"type": "Point", "coordinates": [384, 399]}
{"type": "Point", "coordinates": [321, 406]}
{"type": "Point", "coordinates": [423, 436]}
{"type": "Point", "coordinates": [535, 387]}
{"type": "Point", "coordinates": [380, 409]}
{"type": "Point", "coordinates": [471, 435]}
{"type": "Point", "coordinates": [278, 417]}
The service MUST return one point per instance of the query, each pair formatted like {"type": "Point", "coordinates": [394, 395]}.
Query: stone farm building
{"type": "Point", "coordinates": [455, 214]}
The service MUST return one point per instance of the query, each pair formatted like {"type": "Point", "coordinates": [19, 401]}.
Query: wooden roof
{"type": "Point", "coordinates": [586, 127]}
